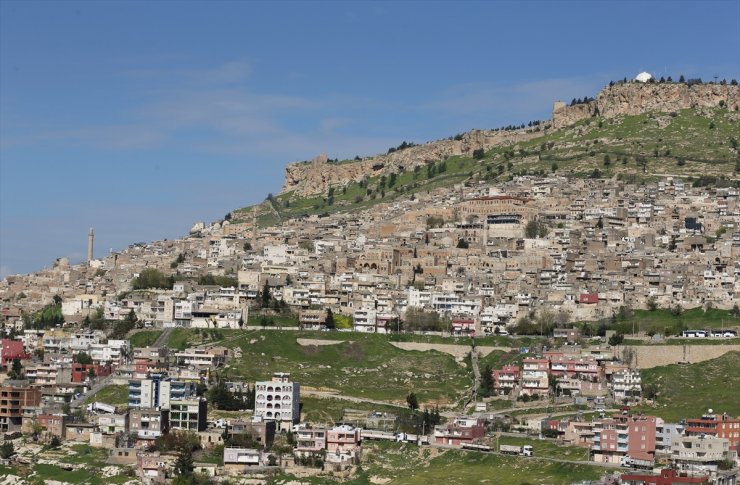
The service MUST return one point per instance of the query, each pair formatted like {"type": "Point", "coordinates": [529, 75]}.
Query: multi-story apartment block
{"type": "Point", "coordinates": [342, 443]}
{"type": "Point", "coordinates": [14, 397]}
{"type": "Point", "coordinates": [189, 414]}
{"type": "Point", "coordinates": [506, 378]}
{"type": "Point", "coordinates": [700, 453]}
{"type": "Point", "coordinates": [149, 423]}
{"type": "Point", "coordinates": [113, 423]}
{"type": "Point", "coordinates": [721, 426]}
{"type": "Point", "coordinates": [627, 386]}
{"type": "Point", "coordinates": [309, 440]}
{"type": "Point", "coordinates": [209, 357]}
{"type": "Point", "coordinates": [158, 392]}
{"type": "Point", "coordinates": [278, 400]}
{"type": "Point", "coordinates": [624, 435]}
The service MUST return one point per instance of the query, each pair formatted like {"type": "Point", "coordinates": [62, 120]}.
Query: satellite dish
{"type": "Point", "coordinates": [710, 411]}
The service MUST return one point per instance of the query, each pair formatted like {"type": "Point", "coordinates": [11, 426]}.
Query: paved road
{"type": "Point", "coordinates": [101, 383]}
{"type": "Point", "coordinates": [163, 337]}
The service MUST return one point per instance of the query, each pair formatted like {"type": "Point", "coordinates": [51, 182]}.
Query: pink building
{"type": "Point", "coordinates": [506, 378]}
{"type": "Point", "coordinates": [624, 435]}
{"type": "Point", "coordinates": [342, 439]}
{"type": "Point", "coordinates": [463, 429]}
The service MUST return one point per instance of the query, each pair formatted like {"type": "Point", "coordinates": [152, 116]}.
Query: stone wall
{"type": "Point", "coordinates": [648, 356]}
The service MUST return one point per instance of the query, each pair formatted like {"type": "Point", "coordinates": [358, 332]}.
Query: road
{"type": "Point", "coordinates": [99, 384]}
{"type": "Point", "coordinates": [163, 337]}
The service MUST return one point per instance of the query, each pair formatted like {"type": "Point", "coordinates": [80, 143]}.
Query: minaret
{"type": "Point", "coordinates": [90, 238]}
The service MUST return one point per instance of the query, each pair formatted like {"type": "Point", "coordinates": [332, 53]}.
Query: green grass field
{"type": "Point", "coordinates": [402, 464]}
{"type": "Point", "coordinates": [362, 366]}
{"type": "Point", "coordinates": [329, 410]}
{"type": "Point", "coordinates": [662, 320]}
{"type": "Point", "coordinates": [686, 391]}
{"type": "Point", "coordinates": [116, 395]}
{"type": "Point", "coordinates": [144, 338]}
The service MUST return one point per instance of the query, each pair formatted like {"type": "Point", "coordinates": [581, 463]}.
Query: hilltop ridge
{"type": "Point", "coordinates": [620, 99]}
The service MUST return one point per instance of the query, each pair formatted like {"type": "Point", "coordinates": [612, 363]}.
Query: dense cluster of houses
{"type": "Point", "coordinates": [482, 257]}
{"type": "Point", "coordinates": [589, 372]}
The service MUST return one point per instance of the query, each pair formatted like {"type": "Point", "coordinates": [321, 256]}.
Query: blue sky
{"type": "Point", "coordinates": [140, 118]}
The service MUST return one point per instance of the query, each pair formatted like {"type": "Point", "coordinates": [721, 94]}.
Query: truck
{"type": "Point", "coordinates": [525, 450]}
{"type": "Point", "coordinates": [98, 406]}
{"type": "Point", "coordinates": [629, 462]}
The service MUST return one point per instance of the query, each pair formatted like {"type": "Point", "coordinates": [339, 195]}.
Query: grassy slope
{"type": "Point", "coordinates": [688, 391]}
{"type": "Point", "coordinates": [408, 465]}
{"type": "Point", "coordinates": [116, 395]}
{"type": "Point", "coordinates": [362, 366]}
{"type": "Point", "coordinates": [661, 319]}
{"type": "Point", "coordinates": [144, 338]}
{"type": "Point", "coordinates": [686, 145]}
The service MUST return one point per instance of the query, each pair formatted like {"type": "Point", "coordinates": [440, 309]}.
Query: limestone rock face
{"type": "Point", "coordinates": [636, 98]}
{"type": "Point", "coordinates": [316, 176]}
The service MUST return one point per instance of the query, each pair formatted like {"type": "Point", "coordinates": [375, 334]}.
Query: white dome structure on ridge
{"type": "Point", "coordinates": [643, 77]}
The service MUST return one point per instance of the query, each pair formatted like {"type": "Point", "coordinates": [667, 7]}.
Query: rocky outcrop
{"type": "Point", "coordinates": [316, 176]}
{"type": "Point", "coordinates": [623, 99]}
{"type": "Point", "coordinates": [629, 99]}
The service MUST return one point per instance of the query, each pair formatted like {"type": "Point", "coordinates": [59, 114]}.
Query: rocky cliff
{"type": "Point", "coordinates": [629, 99]}
{"type": "Point", "coordinates": [316, 176]}
{"type": "Point", "coordinates": [623, 99]}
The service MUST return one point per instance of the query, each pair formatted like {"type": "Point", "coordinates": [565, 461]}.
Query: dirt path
{"type": "Point", "coordinates": [318, 341]}
{"type": "Point", "coordinates": [457, 351]}
{"type": "Point", "coordinates": [335, 395]}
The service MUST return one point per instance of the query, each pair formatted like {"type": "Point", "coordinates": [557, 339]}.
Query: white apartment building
{"type": "Point", "coordinates": [116, 351]}
{"type": "Point", "coordinates": [364, 320]}
{"type": "Point", "coordinates": [627, 386]}
{"type": "Point", "coordinates": [278, 400]}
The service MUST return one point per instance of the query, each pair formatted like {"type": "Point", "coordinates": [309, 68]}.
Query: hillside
{"type": "Point", "coordinates": [690, 142]}
{"type": "Point", "coordinates": [688, 390]}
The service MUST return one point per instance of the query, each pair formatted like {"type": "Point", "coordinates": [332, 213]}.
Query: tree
{"type": "Point", "coordinates": [412, 401]}
{"type": "Point", "coordinates": [7, 450]}
{"type": "Point", "coordinates": [184, 462]}
{"type": "Point", "coordinates": [487, 383]}
{"type": "Point", "coordinates": [247, 246]}
{"type": "Point", "coordinates": [55, 442]}
{"type": "Point", "coordinates": [554, 167]}
{"type": "Point", "coordinates": [479, 153]}
{"type": "Point", "coordinates": [652, 304]}
{"type": "Point", "coordinates": [266, 295]}
{"type": "Point", "coordinates": [221, 398]}
{"type": "Point", "coordinates": [535, 229]}
{"type": "Point", "coordinates": [600, 223]}
{"type": "Point", "coordinates": [330, 324]}
{"type": "Point", "coordinates": [152, 278]}
{"type": "Point", "coordinates": [91, 374]}
{"type": "Point", "coordinates": [462, 244]}
{"type": "Point", "coordinates": [82, 358]}
{"type": "Point", "coordinates": [616, 339]}
{"type": "Point", "coordinates": [16, 369]}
